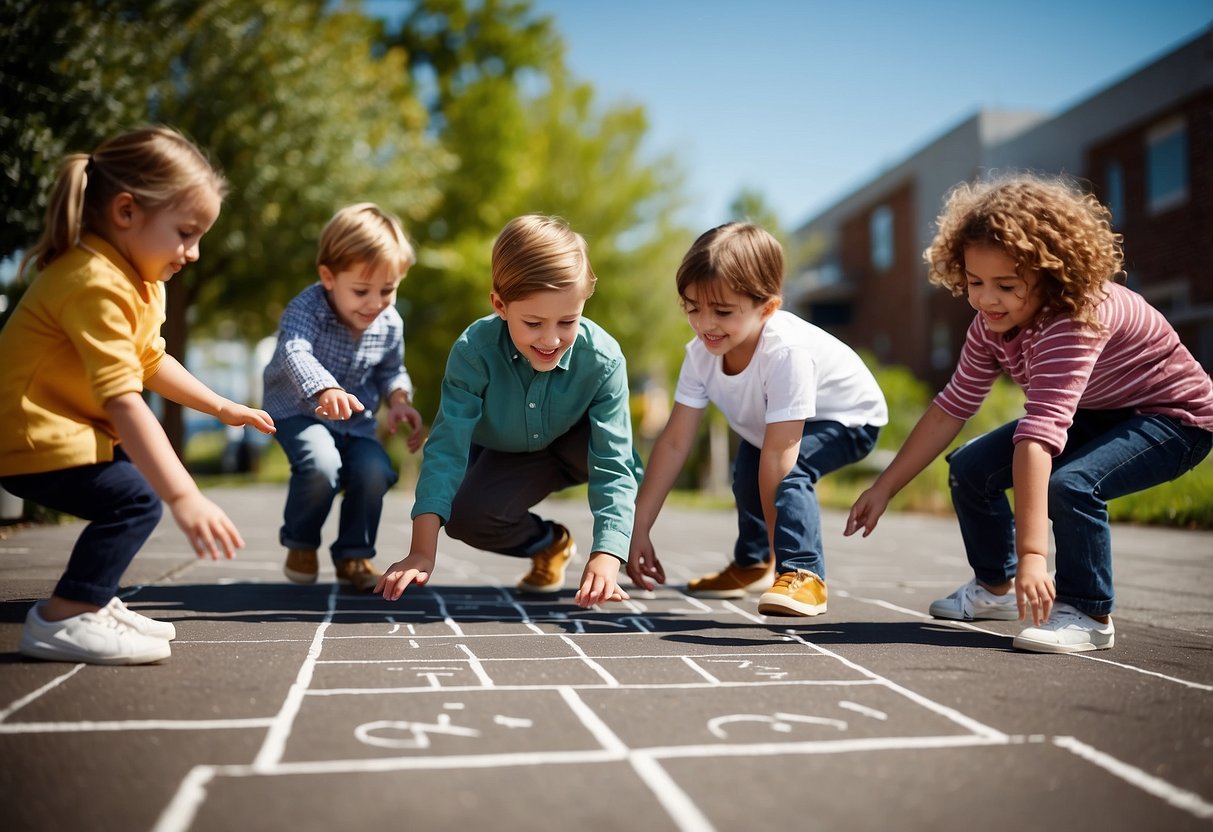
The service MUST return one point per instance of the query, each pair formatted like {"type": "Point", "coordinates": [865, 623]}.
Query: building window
{"type": "Point", "coordinates": [1114, 188]}
{"type": "Point", "coordinates": [881, 230]}
{"type": "Point", "coordinates": [1167, 165]}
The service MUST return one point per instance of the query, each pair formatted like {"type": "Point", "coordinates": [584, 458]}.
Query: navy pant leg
{"type": "Point", "coordinates": [122, 510]}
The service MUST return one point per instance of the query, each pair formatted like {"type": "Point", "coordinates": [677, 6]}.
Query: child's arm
{"type": "Point", "coordinates": [1030, 469]}
{"type": "Point", "coordinates": [177, 384]}
{"type": "Point", "coordinates": [334, 403]}
{"type": "Point", "coordinates": [400, 409]}
{"type": "Point", "coordinates": [670, 453]}
{"type": "Point", "coordinates": [205, 525]}
{"type": "Point", "coordinates": [780, 449]}
{"type": "Point", "coordinates": [600, 581]}
{"type": "Point", "coordinates": [929, 438]}
{"type": "Point", "coordinates": [416, 567]}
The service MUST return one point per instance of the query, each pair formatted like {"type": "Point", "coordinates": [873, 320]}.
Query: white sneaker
{"type": "Point", "coordinates": [139, 623]}
{"type": "Point", "coordinates": [91, 637]}
{"type": "Point", "coordinates": [973, 601]}
{"type": "Point", "coordinates": [1068, 630]}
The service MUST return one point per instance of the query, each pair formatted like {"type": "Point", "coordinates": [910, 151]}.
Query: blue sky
{"type": "Point", "coordinates": [802, 100]}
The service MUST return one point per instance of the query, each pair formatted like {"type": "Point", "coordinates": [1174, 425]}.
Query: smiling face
{"type": "Point", "coordinates": [161, 242]}
{"type": "Point", "coordinates": [727, 323]}
{"type": "Point", "coordinates": [543, 325]}
{"type": "Point", "coordinates": [360, 293]}
{"type": "Point", "coordinates": [1005, 300]}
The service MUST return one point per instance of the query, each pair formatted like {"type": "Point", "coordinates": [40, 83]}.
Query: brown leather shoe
{"type": "Point", "coordinates": [734, 581]}
{"type": "Point", "coordinates": [357, 572]}
{"type": "Point", "coordinates": [547, 567]}
{"type": "Point", "coordinates": [301, 566]}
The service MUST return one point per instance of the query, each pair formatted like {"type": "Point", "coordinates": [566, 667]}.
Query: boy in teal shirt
{"type": "Point", "coordinates": [534, 400]}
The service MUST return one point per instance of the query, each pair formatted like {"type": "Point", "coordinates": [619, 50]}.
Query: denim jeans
{"type": "Point", "coordinates": [1108, 454]}
{"type": "Point", "coordinates": [122, 511]}
{"type": "Point", "coordinates": [324, 463]}
{"type": "Point", "coordinates": [824, 447]}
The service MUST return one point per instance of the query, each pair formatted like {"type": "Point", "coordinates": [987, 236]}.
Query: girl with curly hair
{"type": "Point", "coordinates": [1115, 404]}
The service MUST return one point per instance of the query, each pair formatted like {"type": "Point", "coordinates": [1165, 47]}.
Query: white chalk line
{"type": "Point", "coordinates": [1181, 799]}
{"type": "Point", "coordinates": [681, 809]}
{"type": "Point", "coordinates": [807, 683]}
{"type": "Point", "coordinates": [964, 625]}
{"type": "Point", "coordinates": [85, 726]}
{"type": "Point", "coordinates": [280, 731]}
{"type": "Point", "coordinates": [18, 704]}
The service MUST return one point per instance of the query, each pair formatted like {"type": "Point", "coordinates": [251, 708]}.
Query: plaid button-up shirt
{"type": "Point", "coordinates": [316, 351]}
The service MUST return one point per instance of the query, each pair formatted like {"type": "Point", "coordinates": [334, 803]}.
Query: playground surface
{"type": "Point", "coordinates": [467, 705]}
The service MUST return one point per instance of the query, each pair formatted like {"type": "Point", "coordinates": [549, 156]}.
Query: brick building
{"type": "Point", "coordinates": [1144, 145]}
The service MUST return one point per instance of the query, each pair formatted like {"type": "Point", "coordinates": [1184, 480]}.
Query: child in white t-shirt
{"type": "Point", "coordinates": [803, 403]}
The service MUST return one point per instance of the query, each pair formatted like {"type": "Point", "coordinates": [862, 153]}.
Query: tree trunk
{"type": "Point", "coordinates": [176, 333]}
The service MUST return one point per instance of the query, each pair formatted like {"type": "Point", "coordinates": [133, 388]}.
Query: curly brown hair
{"type": "Point", "coordinates": [1043, 223]}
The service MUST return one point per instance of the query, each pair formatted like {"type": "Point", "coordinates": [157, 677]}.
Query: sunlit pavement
{"type": "Point", "coordinates": [467, 706]}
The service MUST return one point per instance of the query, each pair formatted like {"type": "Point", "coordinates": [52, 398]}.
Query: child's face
{"type": "Point", "coordinates": [360, 293]}
{"type": "Point", "coordinates": [727, 323]}
{"type": "Point", "coordinates": [1004, 299]}
{"type": "Point", "coordinates": [162, 242]}
{"type": "Point", "coordinates": [543, 325]}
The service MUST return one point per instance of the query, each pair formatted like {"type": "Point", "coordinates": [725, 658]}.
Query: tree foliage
{"type": "Point", "coordinates": [457, 121]}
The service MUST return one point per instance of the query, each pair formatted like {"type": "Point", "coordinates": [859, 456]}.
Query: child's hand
{"type": "Point", "coordinates": [643, 563]}
{"type": "Point", "coordinates": [206, 527]}
{"type": "Point", "coordinates": [334, 403]}
{"type": "Point", "coordinates": [238, 416]}
{"type": "Point", "coordinates": [402, 411]}
{"type": "Point", "coordinates": [1034, 588]}
{"type": "Point", "coordinates": [866, 512]}
{"type": "Point", "coordinates": [599, 581]}
{"type": "Point", "coordinates": [414, 569]}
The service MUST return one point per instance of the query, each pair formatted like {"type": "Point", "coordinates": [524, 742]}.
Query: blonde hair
{"type": "Point", "coordinates": [534, 253]}
{"type": "Point", "coordinates": [1044, 223]}
{"type": "Point", "coordinates": [364, 234]}
{"type": "Point", "coordinates": [741, 256]}
{"type": "Point", "coordinates": [156, 165]}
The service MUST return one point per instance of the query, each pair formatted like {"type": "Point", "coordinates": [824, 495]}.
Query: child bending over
{"type": "Point", "coordinates": [1115, 404]}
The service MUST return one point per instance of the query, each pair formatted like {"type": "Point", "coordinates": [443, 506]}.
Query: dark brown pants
{"type": "Point", "coordinates": [492, 508]}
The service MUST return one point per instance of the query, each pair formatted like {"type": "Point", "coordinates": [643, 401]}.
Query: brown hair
{"type": "Point", "coordinates": [738, 255]}
{"type": "Point", "coordinates": [1043, 223]}
{"type": "Point", "coordinates": [534, 253]}
{"type": "Point", "coordinates": [156, 165]}
{"type": "Point", "coordinates": [364, 233]}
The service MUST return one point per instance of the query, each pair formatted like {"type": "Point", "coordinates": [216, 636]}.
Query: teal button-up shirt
{"type": "Point", "coordinates": [491, 396]}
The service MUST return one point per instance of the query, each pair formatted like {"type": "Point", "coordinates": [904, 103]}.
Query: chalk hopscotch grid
{"type": "Point", "coordinates": [646, 762]}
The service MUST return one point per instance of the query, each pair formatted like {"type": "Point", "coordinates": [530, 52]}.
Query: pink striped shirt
{"type": "Point", "coordinates": [1136, 362]}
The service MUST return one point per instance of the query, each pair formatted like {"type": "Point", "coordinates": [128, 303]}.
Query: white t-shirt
{"type": "Point", "coordinates": [798, 371]}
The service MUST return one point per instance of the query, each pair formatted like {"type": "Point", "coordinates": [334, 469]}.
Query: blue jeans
{"type": "Point", "coordinates": [824, 447]}
{"type": "Point", "coordinates": [122, 511]}
{"type": "Point", "coordinates": [1108, 454]}
{"type": "Point", "coordinates": [324, 463]}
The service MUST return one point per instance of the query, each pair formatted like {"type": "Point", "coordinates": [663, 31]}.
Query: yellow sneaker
{"type": "Point", "coordinates": [357, 572]}
{"type": "Point", "coordinates": [734, 581]}
{"type": "Point", "coordinates": [301, 566]}
{"type": "Point", "coordinates": [547, 567]}
{"type": "Point", "coordinates": [795, 593]}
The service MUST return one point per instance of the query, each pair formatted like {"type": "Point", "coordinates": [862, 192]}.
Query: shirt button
{"type": "Point", "coordinates": [531, 405]}
{"type": "Point", "coordinates": [534, 436]}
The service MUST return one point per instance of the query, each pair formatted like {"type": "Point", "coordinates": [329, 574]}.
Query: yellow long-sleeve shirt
{"type": "Point", "coordinates": [86, 330]}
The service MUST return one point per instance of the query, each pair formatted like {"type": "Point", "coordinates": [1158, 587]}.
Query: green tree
{"type": "Point", "coordinates": [750, 205]}
{"type": "Point", "coordinates": [527, 138]}
{"type": "Point", "coordinates": [73, 73]}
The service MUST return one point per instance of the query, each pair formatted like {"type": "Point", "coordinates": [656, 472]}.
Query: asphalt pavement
{"type": "Point", "coordinates": [467, 706]}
